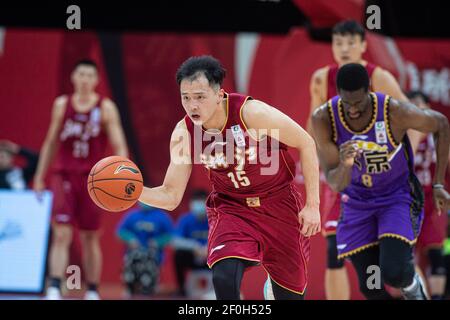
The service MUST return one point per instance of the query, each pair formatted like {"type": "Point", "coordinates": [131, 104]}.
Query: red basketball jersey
{"type": "Point", "coordinates": [425, 163]}
{"type": "Point", "coordinates": [332, 72]}
{"type": "Point", "coordinates": [82, 141]}
{"type": "Point", "coordinates": [238, 165]}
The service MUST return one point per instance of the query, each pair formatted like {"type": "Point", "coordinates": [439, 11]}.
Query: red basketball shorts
{"type": "Point", "coordinates": [265, 230]}
{"type": "Point", "coordinates": [72, 203]}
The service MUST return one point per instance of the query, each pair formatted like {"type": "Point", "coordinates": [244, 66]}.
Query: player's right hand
{"type": "Point", "coordinates": [309, 218]}
{"type": "Point", "coordinates": [348, 151]}
{"type": "Point", "coordinates": [441, 200]}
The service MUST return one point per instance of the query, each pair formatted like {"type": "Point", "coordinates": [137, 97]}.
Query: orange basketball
{"type": "Point", "coordinates": [115, 183]}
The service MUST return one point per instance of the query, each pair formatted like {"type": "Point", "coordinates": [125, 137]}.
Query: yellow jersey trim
{"type": "Point", "coordinates": [372, 122]}
{"type": "Point", "coordinates": [243, 122]}
{"type": "Point", "coordinates": [291, 290]}
{"type": "Point", "coordinates": [333, 122]}
{"type": "Point", "coordinates": [359, 249]}
{"type": "Point", "coordinates": [228, 257]}
{"type": "Point", "coordinates": [397, 236]}
{"type": "Point", "coordinates": [386, 120]}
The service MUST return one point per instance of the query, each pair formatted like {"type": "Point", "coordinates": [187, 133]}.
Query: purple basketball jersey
{"type": "Point", "coordinates": [382, 170]}
{"type": "Point", "coordinates": [384, 197]}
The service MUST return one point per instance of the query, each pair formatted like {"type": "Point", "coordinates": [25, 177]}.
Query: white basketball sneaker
{"type": "Point", "coordinates": [53, 294]}
{"type": "Point", "coordinates": [417, 290]}
{"type": "Point", "coordinates": [91, 295]}
{"type": "Point", "coordinates": [268, 293]}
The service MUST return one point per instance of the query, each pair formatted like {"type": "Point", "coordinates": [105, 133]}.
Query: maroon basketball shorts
{"type": "Point", "coordinates": [261, 229]}
{"type": "Point", "coordinates": [72, 203]}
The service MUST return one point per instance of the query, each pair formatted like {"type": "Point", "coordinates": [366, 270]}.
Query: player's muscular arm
{"type": "Point", "coordinates": [168, 196]}
{"type": "Point", "coordinates": [259, 117]}
{"type": "Point", "coordinates": [113, 127]}
{"type": "Point", "coordinates": [336, 163]}
{"type": "Point", "coordinates": [50, 143]}
{"type": "Point", "coordinates": [405, 116]}
{"type": "Point", "coordinates": [383, 81]}
{"type": "Point", "coordinates": [318, 93]}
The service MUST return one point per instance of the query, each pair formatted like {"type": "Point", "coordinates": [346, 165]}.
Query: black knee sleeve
{"type": "Point", "coordinates": [374, 294]}
{"type": "Point", "coordinates": [437, 264]}
{"type": "Point", "coordinates": [227, 275]}
{"type": "Point", "coordinates": [361, 262]}
{"type": "Point", "coordinates": [396, 261]}
{"type": "Point", "coordinates": [332, 254]}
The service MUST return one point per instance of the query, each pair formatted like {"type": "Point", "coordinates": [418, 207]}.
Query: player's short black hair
{"type": "Point", "coordinates": [207, 65]}
{"type": "Point", "coordinates": [85, 62]}
{"type": "Point", "coordinates": [418, 93]}
{"type": "Point", "coordinates": [199, 194]}
{"type": "Point", "coordinates": [349, 27]}
{"type": "Point", "coordinates": [352, 77]}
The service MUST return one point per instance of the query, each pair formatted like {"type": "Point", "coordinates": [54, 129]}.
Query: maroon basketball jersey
{"type": "Point", "coordinates": [82, 142]}
{"type": "Point", "coordinates": [239, 165]}
{"type": "Point", "coordinates": [332, 72]}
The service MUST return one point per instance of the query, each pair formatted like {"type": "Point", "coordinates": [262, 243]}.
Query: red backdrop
{"type": "Point", "coordinates": [35, 67]}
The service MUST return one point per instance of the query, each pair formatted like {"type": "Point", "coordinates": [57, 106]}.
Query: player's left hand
{"type": "Point", "coordinates": [441, 200]}
{"type": "Point", "coordinates": [309, 218]}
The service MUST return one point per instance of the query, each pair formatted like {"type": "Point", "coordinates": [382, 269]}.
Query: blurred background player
{"type": "Point", "coordinates": [348, 46]}
{"type": "Point", "coordinates": [81, 126]}
{"type": "Point", "coordinates": [364, 150]}
{"type": "Point", "coordinates": [255, 214]}
{"type": "Point", "coordinates": [191, 239]}
{"type": "Point", "coordinates": [146, 232]}
{"type": "Point", "coordinates": [15, 177]}
{"type": "Point", "coordinates": [434, 227]}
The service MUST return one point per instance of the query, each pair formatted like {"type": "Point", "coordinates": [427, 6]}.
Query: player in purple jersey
{"type": "Point", "coordinates": [366, 155]}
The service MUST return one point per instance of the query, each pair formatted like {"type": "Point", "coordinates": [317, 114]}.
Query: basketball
{"type": "Point", "coordinates": [115, 183]}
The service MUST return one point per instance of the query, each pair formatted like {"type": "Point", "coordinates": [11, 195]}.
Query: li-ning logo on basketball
{"type": "Point", "coordinates": [129, 188]}
{"type": "Point", "coordinates": [122, 167]}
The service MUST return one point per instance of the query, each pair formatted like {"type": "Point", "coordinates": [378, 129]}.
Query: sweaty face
{"type": "Point", "coordinates": [85, 78]}
{"type": "Point", "coordinates": [6, 160]}
{"type": "Point", "coordinates": [348, 48]}
{"type": "Point", "coordinates": [199, 99]}
{"type": "Point", "coordinates": [355, 103]}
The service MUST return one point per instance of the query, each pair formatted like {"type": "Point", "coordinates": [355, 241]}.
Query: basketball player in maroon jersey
{"type": "Point", "coordinates": [255, 213]}
{"type": "Point", "coordinates": [348, 46]}
{"type": "Point", "coordinates": [434, 226]}
{"type": "Point", "coordinates": [80, 127]}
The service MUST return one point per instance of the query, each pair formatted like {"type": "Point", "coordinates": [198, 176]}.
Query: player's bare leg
{"type": "Point", "coordinates": [337, 285]}
{"type": "Point", "coordinates": [437, 285]}
{"type": "Point", "coordinates": [59, 258]}
{"type": "Point", "coordinates": [92, 261]}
